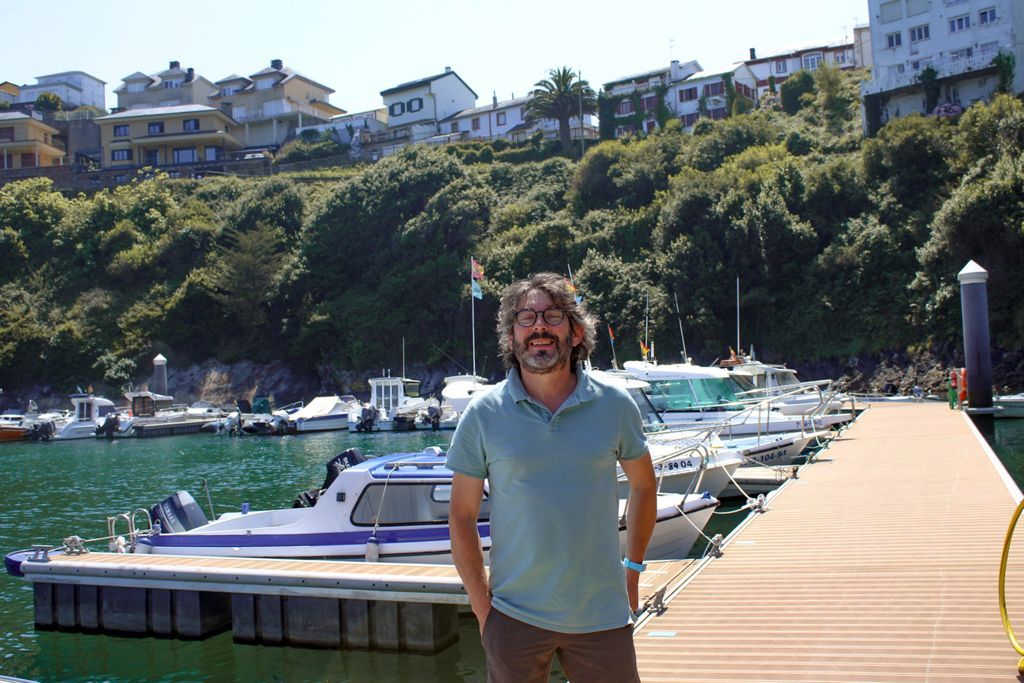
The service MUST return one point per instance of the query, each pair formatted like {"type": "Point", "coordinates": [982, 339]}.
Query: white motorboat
{"type": "Point", "coordinates": [692, 395]}
{"type": "Point", "coordinates": [324, 413]}
{"type": "Point", "coordinates": [762, 380]}
{"type": "Point", "coordinates": [458, 390]}
{"type": "Point", "coordinates": [392, 509]}
{"type": "Point", "coordinates": [393, 405]}
{"type": "Point", "coordinates": [1012, 405]}
{"type": "Point", "coordinates": [88, 414]}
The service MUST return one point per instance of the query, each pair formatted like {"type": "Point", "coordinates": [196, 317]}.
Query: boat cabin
{"type": "Point", "coordinates": [147, 403]}
{"type": "Point", "coordinates": [89, 408]}
{"type": "Point", "coordinates": [389, 393]}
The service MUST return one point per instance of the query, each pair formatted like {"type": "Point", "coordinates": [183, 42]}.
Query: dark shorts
{"type": "Point", "coordinates": [521, 653]}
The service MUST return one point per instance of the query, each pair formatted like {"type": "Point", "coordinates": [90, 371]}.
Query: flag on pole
{"type": "Point", "coordinates": [477, 292]}
{"type": "Point", "coordinates": [611, 335]}
{"type": "Point", "coordinates": [572, 290]}
{"type": "Point", "coordinates": [644, 350]}
{"type": "Point", "coordinates": [476, 271]}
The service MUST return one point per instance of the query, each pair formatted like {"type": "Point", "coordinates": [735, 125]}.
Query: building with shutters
{"type": "Point", "coordinates": [778, 66]}
{"type": "Point", "coordinates": [27, 142]}
{"type": "Point", "coordinates": [416, 108]}
{"type": "Point", "coordinates": [956, 38]}
{"type": "Point", "coordinates": [167, 136]}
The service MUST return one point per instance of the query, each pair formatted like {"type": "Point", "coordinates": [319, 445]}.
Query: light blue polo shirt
{"type": "Point", "coordinates": [554, 560]}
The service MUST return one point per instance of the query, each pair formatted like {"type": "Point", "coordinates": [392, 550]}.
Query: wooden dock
{"type": "Point", "coordinates": [879, 563]}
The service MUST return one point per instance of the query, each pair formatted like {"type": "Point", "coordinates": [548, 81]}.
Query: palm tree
{"type": "Point", "coordinates": [561, 96]}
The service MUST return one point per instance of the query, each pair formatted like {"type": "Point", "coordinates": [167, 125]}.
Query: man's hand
{"type": "Point", "coordinates": [633, 589]}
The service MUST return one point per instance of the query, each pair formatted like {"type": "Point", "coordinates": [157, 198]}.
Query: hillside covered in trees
{"type": "Point", "coordinates": [842, 245]}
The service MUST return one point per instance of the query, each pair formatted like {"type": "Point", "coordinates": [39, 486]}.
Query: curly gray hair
{"type": "Point", "coordinates": [558, 288]}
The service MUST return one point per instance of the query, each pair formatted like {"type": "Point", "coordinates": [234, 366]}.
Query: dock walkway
{"type": "Point", "coordinates": [880, 563]}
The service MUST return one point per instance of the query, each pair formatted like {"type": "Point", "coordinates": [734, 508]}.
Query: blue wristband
{"type": "Point", "coordinates": [630, 564]}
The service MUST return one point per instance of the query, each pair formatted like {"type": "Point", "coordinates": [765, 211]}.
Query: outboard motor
{"type": "Point", "coordinates": [367, 416]}
{"type": "Point", "coordinates": [40, 431]}
{"type": "Point", "coordinates": [178, 513]}
{"type": "Point", "coordinates": [434, 415]}
{"type": "Point", "coordinates": [335, 466]}
{"type": "Point", "coordinates": [110, 426]}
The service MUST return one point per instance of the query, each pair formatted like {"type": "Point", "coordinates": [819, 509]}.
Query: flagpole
{"type": "Point", "coordinates": [679, 317]}
{"type": "Point", "coordinates": [647, 317]}
{"type": "Point", "coordinates": [472, 315]}
{"type": "Point", "coordinates": [738, 314]}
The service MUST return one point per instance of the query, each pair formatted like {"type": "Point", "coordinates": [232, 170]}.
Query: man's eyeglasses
{"type": "Point", "coordinates": [525, 317]}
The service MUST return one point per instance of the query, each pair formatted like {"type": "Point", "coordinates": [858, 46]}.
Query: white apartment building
{"type": "Point", "coordinates": [74, 88]}
{"type": "Point", "coordinates": [958, 38]}
{"type": "Point", "coordinates": [780, 65]}
{"type": "Point", "coordinates": [416, 108]}
{"type": "Point", "coordinates": [508, 120]}
{"type": "Point", "coordinates": [690, 93]}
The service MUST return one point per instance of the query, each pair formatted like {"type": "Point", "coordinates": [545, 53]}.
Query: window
{"type": "Point", "coordinates": [890, 11]}
{"type": "Point", "coordinates": [915, 7]}
{"type": "Point", "coordinates": [650, 103]}
{"type": "Point", "coordinates": [687, 94]}
{"type": "Point", "coordinates": [184, 155]}
{"type": "Point", "coordinates": [651, 126]}
{"type": "Point", "coordinates": [717, 114]}
{"type": "Point", "coordinates": [961, 23]}
{"type": "Point", "coordinates": [893, 40]}
{"type": "Point", "coordinates": [120, 155]}
{"type": "Point", "coordinates": [839, 57]}
{"type": "Point", "coordinates": [121, 130]}
{"type": "Point", "coordinates": [455, 127]}
{"type": "Point", "coordinates": [689, 119]}
{"type": "Point", "coordinates": [152, 157]}
{"type": "Point", "coordinates": [781, 66]}
{"type": "Point", "coordinates": [713, 89]}
{"type": "Point", "coordinates": [155, 128]}
{"type": "Point", "coordinates": [265, 83]}
{"type": "Point", "coordinates": [172, 84]}
{"type": "Point", "coordinates": [500, 118]}
{"type": "Point", "coordinates": [987, 16]}
{"type": "Point", "coordinates": [811, 60]}
{"type": "Point", "coordinates": [989, 49]}
{"type": "Point", "coordinates": [625, 107]}
{"type": "Point", "coordinates": [7, 133]}
{"type": "Point", "coordinates": [190, 125]}
{"type": "Point", "coordinates": [475, 123]}
{"type": "Point", "coordinates": [965, 53]}
{"type": "Point", "coordinates": [214, 153]}
{"type": "Point", "coordinates": [919, 33]}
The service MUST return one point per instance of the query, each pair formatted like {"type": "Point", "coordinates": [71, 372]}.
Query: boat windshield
{"type": "Point", "coordinates": [649, 413]}
{"type": "Point", "coordinates": [696, 394]}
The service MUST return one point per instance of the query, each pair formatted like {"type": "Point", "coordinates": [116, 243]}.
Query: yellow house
{"type": "Point", "coordinates": [27, 142]}
{"type": "Point", "coordinates": [164, 136]}
{"type": "Point", "coordinates": [273, 103]}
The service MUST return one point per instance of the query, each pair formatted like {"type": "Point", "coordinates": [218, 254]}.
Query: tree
{"type": "Point", "coordinates": [48, 101]}
{"type": "Point", "coordinates": [561, 96]}
{"type": "Point", "coordinates": [800, 83]}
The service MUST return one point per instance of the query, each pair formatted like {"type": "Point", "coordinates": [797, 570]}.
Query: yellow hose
{"type": "Point", "coordinates": [1002, 588]}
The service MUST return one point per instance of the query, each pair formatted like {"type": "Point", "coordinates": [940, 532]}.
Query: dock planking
{"type": "Point", "coordinates": [879, 563]}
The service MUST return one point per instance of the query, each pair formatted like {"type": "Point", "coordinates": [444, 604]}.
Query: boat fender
{"type": "Point", "coordinates": [372, 549]}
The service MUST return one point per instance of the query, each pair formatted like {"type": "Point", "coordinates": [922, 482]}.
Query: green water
{"type": "Point", "coordinates": [53, 490]}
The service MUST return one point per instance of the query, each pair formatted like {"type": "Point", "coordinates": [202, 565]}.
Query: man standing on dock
{"type": "Point", "coordinates": [547, 441]}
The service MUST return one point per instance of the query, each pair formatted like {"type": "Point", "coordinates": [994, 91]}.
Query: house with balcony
{"type": "Point", "coordinates": [958, 39]}
{"type": "Point", "coordinates": [508, 120]}
{"type": "Point", "coordinates": [171, 87]}
{"type": "Point", "coordinates": [356, 129]}
{"type": "Point", "coordinates": [272, 104]}
{"type": "Point", "coordinates": [167, 136]}
{"type": "Point", "coordinates": [74, 88]}
{"type": "Point", "coordinates": [778, 66]}
{"type": "Point", "coordinates": [415, 109]}
{"type": "Point", "coordinates": [633, 101]}
{"type": "Point", "coordinates": [27, 142]}
{"type": "Point", "coordinates": [685, 91]}
{"type": "Point", "coordinates": [9, 92]}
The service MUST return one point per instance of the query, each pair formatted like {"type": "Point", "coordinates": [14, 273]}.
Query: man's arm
{"type": "Point", "coordinates": [641, 514]}
{"type": "Point", "coordinates": [463, 511]}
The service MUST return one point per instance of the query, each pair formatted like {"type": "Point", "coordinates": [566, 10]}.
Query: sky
{"type": "Point", "coordinates": [359, 49]}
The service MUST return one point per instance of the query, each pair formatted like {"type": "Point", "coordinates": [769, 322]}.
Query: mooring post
{"type": "Point", "coordinates": [977, 352]}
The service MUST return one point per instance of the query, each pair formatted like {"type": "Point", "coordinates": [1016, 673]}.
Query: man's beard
{"type": "Point", "coordinates": [545, 360]}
